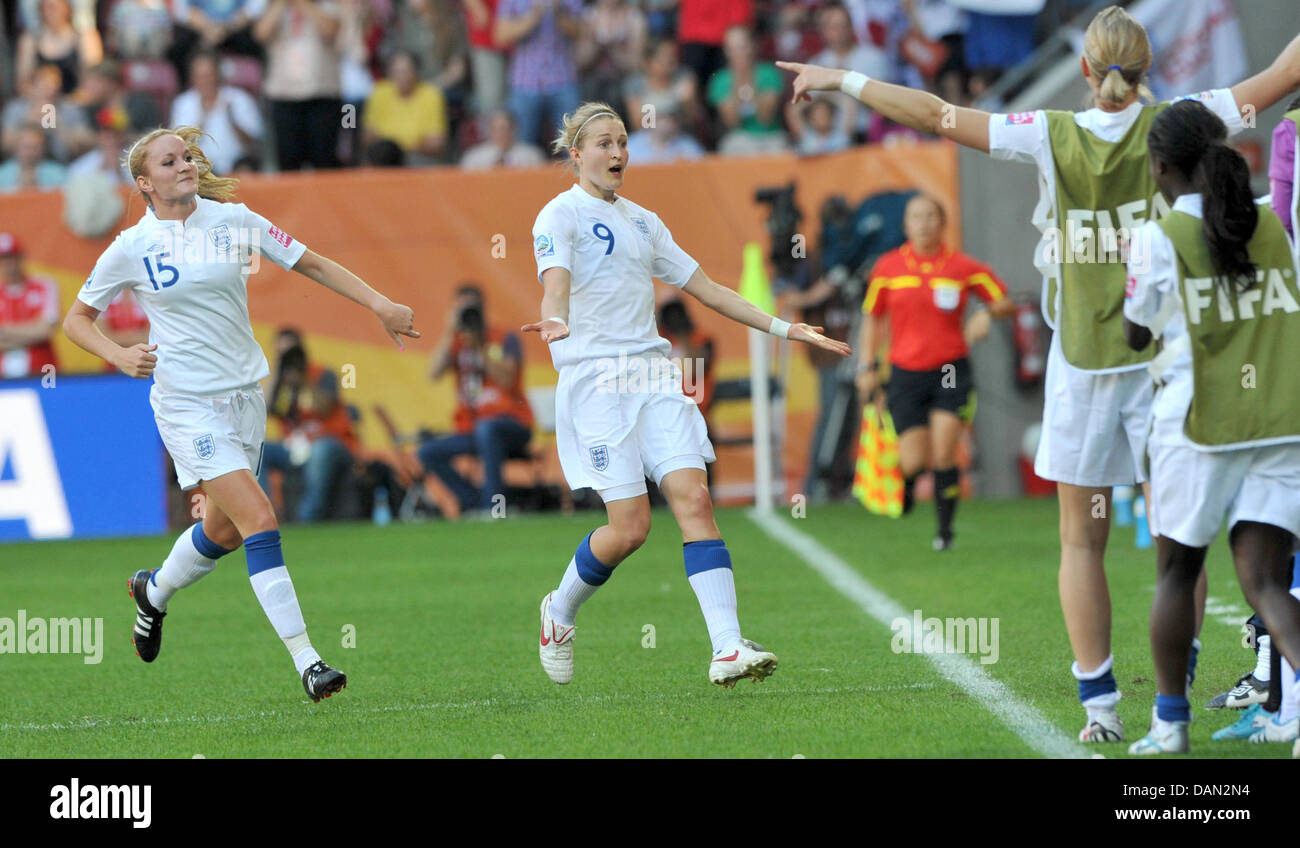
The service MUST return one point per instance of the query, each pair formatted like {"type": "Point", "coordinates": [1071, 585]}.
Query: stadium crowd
{"type": "Point", "coordinates": [288, 84]}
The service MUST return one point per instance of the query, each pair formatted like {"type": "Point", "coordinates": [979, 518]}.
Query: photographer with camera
{"type": "Point", "coordinates": [492, 419]}
{"type": "Point", "coordinates": [923, 287]}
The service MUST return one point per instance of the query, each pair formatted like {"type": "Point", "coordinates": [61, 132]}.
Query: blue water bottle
{"type": "Point", "coordinates": [1143, 537]}
{"type": "Point", "coordinates": [1122, 502]}
{"type": "Point", "coordinates": [382, 513]}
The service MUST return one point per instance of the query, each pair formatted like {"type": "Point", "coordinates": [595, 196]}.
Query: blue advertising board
{"type": "Point", "coordinates": [80, 457]}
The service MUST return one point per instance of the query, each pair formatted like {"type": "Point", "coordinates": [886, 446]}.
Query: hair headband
{"type": "Point", "coordinates": [592, 118]}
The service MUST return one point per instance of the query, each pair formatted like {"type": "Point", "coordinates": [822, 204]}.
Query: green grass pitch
{"type": "Point", "coordinates": [444, 621]}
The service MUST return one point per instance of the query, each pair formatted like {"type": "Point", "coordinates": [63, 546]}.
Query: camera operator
{"type": "Point", "coordinates": [492, 419]}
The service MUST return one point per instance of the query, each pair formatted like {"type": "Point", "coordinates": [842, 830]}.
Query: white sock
{"type": "Point", "coordinates": [716, 591]}
{"type": "Point", "coordinates": [184, 566]}
{"type": "Point", "coordinates": [572, 594]}
{"type": "Point", "coordinates": [275, 592]}
{"type": "Point", "coordinates": [1262, 661]}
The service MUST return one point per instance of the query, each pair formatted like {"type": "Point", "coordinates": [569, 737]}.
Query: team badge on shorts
{"type": "Point", "coordinates": [205, 446]}
{"type": "Point", "coordinates": [220, 236]}
{"type": "Point", "coordinates": [600, 457]}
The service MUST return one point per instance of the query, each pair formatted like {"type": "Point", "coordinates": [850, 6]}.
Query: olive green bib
{"type": "Point", "coordinates": [1243, 344]}
{"type": "Point", "coordinates": [1294, 211]}
{"type": "Point", "coordinates": [1104, 191]}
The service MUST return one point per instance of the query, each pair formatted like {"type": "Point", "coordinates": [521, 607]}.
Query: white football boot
{"type": "Point", "coordinates": [555, 645]}
{"type": "Point", "coordinates": [1278, 731]}
{"type": "Point", "coordinates": [1164, 737]}
{"type": "Point", "coordinates": [1103, 726]}
{"type": "Point", "coordinates": [743, 659]}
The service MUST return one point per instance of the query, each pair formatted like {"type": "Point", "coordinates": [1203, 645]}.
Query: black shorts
{"type": "Point", "coordinates": [912, 394]}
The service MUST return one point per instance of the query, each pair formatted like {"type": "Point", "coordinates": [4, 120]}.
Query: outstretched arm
{"type": "Point", "coordinates": [1273, 83]}
{"type": "Point", "coordinates": [555, 306]}
{"type": "Point", "coordinates": [728, 303]}
{"type": "Point", "coordinates": [396, 318]}
{"type": "Point", "coordinates": [919, 110]}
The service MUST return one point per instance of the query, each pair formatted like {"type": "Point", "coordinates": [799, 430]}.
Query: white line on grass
{"type": "Point", "coordinates": [1022, 719]}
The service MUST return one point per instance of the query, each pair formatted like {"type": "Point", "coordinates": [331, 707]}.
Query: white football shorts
{"type": "Point", "coordinates": [613, 429]}
{"type": "Point", "coordinates": [211, 435]}
{"type": "Point", "coordinates": [1193, 491]}
{"type": "Point", "coordinates": [1094, 425]}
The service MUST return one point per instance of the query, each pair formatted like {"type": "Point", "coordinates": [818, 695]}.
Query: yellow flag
{"type": "Point", "coordinates": [754, 284]}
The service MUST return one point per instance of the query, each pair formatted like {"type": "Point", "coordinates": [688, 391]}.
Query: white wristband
{"type": "Point", "coordinates": [561, 320]}
{"type": "Point", "coordinates": [853, 83]}
{"type": "Point", "coordinates": [780, 328]}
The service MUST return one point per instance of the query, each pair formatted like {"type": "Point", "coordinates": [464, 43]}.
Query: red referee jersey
{"type": "Point", "coordinates": [36, 299]}
{"type": "Point", "coordinates": [925, 298]}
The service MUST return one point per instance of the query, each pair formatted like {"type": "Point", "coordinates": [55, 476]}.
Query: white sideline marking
{"type": "Point", "coordinates": [92, 723]}
{"type": "Point", "coordinates": [1020, 718]}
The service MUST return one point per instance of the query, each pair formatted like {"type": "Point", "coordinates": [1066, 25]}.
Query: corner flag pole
{"type": "Point", "coordinates": [755, 287]}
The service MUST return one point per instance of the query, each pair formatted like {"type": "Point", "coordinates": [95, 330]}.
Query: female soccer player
{"type": "Point", "coordinates": [619, 409]}
{"type": "Point", "coordinates": [187, 263]}
{"type": "Point", "coordinates": [1215, 279]}
{"type": "Point", "coordinates": [931, 394]}
{"type": "Point", "coordinates": [1093, 175]}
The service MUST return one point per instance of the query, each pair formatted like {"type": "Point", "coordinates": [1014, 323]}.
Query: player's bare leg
{"type": "Point", "coordinates": [708, 568]}
{"type": "Point", "coordinates": [592, 564]}
{"type": "Point", "coordinates": [238, 497]}
{"type": "Point", "coordinates": [1085, 603]}
{"type": "Point", "coordinates": [1200, 592]}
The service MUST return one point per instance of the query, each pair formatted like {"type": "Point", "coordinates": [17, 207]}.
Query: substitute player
{"type": "Point", "coordinates": [1215, 279]}
{"type": "Point", "coordinates": [921, 290]}
{"type": "Point", "coordinates": [619, 409]}
{"type": "Point", "coordinates": [1095, 187]}
{"type": "Point", "coordinates": [187, 262]}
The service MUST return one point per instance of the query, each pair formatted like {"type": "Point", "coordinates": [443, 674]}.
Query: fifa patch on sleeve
{"type": "Point", "coordinates": [543, 246]}
{"type": "Point", "coordinates": [1130, 286]}
{"type": "Point", "coordinates": [1200, 95]}
{"type": "Point", "coordinates": [281, 236]}
{"type": "Point", "coordinates": [1020, 118]}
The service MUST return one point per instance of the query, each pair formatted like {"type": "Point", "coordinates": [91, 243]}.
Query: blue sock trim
{"type": "Point", "coordinates": [705, 555]}
{"type": "Point", "coordinates": [263, 551]}
{"type": "Point", "coordinates": [592, 571]}
{"type": "Point", "coordinates": [1173, 708]}
{"type": "Point", "coordinates": [1103, 685]}
{"type": "Point", "coordinates": [206, 546]}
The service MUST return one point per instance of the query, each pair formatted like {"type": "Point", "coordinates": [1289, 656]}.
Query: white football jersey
{"type": "Point", "coordinates": [191, 281]}
{"type": "Point", "coordinates": [612, 251]}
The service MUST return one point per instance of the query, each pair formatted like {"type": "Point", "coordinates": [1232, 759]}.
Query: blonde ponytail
{"type": "Point", "coordinates": [1118, 54]}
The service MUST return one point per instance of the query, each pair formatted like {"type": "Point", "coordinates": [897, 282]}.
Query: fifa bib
{"type": "Point", "coordinates": [1243, 342]}
{"type": "Point", "coordinates": [1103, 193]}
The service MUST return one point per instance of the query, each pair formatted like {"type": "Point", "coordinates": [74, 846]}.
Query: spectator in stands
{"type": "Point", "coordinates": [303, 82]}
{"type": "Point", "coordinates": [543, 79]}
{"type": "Point", "coordinates": [29, 314]}
{"type": "Point", "coordinates": [106, 157]}
{"type": "Point", "coordinates": [139, 29]}
{"type": "Point", "coordinates": [692, 349]}
{"type": "Point", "coordinates": [487, 59]}
{"type": "Point", "coordinates": [661, 18]}
{"type": "Point", "coordinates": [821, 131]}
{"type": "Point", "coordinates": [793, 34]}
{"type": "Point", "coordinates": [701, 26]}
{"type": "Point", "coordinates": [933, 47]}
{"type": "Point", "coordinates": [361, 28]}
{"type": "Point", "coordinates": [384, 154]}
{"type": "Point", "coordinates": [410, 113]}
{"type": "Point", "coordinates": [125, 323]}
{"type": "Point", "coordinates": [318, 436]}
{"type": "Point", "coordinates": [663, 142]}
{"type": "Point", "coordinates": [433, 30]}
{"type": "Point", "coordinates": [994, 43]}
{"type": "Point", "coordinates": [493, 419]}
{"type": "Point", "coordinates": [30, 166]}
{"type": "Point", "coordinates": [747, 95]}
{"type": "Point", "coordinates": [71, 134]}
{"type": "Point", "coordinates": [229, 115]}
{"type": "Point", "coordinates": [103, 88]}
{"type": "Point", "coordinates": [664, 84]}
{"type": "Point", "coordinates": [226, 26]}
{"type": "Point", "coordinates": [501, 147]}
{"type": "Point", "coordinates": [842, 50]}
{"type": "Point", "coordinates": [609, 49]}
{"type": "Point", "coordinates": [72, 47]}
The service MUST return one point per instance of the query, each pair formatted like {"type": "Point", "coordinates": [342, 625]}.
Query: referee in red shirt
{"type": "Point", "coordinates": [29, 313]}
{"type": "Point", "coordinates": [915, 304]}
